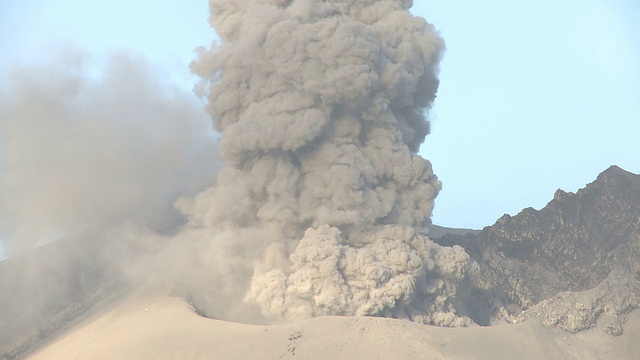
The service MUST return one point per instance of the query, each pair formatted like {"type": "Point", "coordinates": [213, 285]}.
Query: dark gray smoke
{"type": "Point", "coordinates": [322, 197]}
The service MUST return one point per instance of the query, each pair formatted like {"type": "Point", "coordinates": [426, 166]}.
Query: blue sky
{"type": "Point", "coordinates": [534, 96]}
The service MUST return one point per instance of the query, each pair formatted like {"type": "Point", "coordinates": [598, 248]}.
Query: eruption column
{"type": "Point", "coordinates": [321, 109]}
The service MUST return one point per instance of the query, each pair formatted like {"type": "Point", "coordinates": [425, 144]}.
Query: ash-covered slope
{"type": "Point", "coordinates": [43, 290]}
{"type": "Point", "coordinates": [584, 241]}
{"type": "Point", "coordinates": [148, 327]}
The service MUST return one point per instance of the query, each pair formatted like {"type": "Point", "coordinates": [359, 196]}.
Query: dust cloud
{"type": "Point", "coordinates": [322, 198]}
{"type": "Point", "coordinates": [321, 204]}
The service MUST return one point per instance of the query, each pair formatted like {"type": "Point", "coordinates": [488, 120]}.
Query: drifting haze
{"type": "Point", "coordinates": [80, 151]}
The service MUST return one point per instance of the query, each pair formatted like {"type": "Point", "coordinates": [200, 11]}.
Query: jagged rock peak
{"type": "Point", "coordinates": [560, 253]}
{"type": "Point", "coordinates": [613, 182]}
{"type": "Point", "coordinates": [615, 172]}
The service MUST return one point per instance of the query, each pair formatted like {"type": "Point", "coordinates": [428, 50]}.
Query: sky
{"type": "Point", "coordinates": [534, 95]}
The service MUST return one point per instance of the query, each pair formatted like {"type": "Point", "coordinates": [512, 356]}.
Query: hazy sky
{"type": "Point", "coordinates": [534, 96]}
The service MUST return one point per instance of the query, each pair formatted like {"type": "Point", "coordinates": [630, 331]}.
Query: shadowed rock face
{"type": "Point", "coordinates": [573, 244]}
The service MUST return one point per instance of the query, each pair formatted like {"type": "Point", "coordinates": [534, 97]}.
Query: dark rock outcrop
{"type": "Point", "coordinates": [572, 245]}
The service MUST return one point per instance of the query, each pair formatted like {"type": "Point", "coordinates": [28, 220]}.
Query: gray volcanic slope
{"type": "Point", "coordinates": [573, 264]}
{"type": "Point", "coordinates": [579, 254]}
{"type": "Point", "coordinates": [45, 289]}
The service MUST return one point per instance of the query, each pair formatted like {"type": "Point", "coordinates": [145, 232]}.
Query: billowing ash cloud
{"type": "Point", "coordinates": [79, 151]}
{"type": "Point", "coordinates": [320, 105]}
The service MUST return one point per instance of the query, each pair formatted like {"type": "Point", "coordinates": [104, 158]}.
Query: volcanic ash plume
{"type": "Point", "coordinates": [320, 105]}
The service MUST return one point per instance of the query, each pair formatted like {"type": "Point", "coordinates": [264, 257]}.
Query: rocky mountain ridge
{"type": "Point", "coordinates": [563, 261]}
